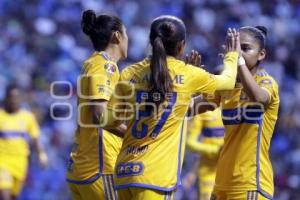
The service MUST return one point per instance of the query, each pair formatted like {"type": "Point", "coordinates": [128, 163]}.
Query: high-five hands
{"type": "Point", "coordinates": [232, 42]}
{"type": "Point", "coordinates": [194, 58]}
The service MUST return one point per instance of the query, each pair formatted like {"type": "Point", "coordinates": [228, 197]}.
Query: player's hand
{"type": "Point", "coordinates": [43, 159]}
{"type": "Point", "coordinates": [232, 42]}
{"type": "Point", "coordinates": [194, 58]}
{"type": "Point", "coordinates": [223, 51]}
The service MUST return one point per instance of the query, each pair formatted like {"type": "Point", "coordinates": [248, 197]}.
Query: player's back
{"type": "Point", "coordinates": [152, 150]}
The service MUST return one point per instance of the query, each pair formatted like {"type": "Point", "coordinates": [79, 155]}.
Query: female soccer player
{"type": "Point", "coordinates": [206, 137]}
{"type": "Point", "coordinates": [249, 115]}
{"type": "Point", "coordinates": [155, 93]}
{"type": "Point", "coordinates": [18, 127]}
{"type": "Point", "coordinates": [90, 170]}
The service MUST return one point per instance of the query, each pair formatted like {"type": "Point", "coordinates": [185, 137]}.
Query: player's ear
{"type": "Point", "coordinates": [262, 54]}
{"type": "Point", "coordinates": [116, 37]}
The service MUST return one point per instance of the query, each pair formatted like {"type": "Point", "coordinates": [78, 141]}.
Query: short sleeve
{"type": "Point", "coordinates": [101, 81]}
{"type": "Point", "coordinates": [270, 86]}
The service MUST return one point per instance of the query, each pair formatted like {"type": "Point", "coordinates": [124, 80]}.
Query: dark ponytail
{"type": "Point", "coordinates": [160, 78]}
{"type": "Point", "coordinates": [99, 29]}
{"type": "Point", "coordinates": [165, 35]}
{"type": "Point", "coordinates": [88, 21]}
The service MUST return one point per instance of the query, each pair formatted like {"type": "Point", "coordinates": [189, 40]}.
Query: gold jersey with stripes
{"type": "Point", "coordinates": [153, 146]}
{"type": "Point", "coordinates": [16, 131]}
{"type": "Point", "coordinates": [206, 134]}
{"type": "Point", "coordinates": [206, 137]}
{"type": "Point", "coordinates": [244, 163]}
{"type": "Point", "coordinates": [95, 150]}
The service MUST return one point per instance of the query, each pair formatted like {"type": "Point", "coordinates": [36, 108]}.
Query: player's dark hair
{"type": "Point", "coordinates": [99, 29]}
{"type": "Point", "coordinates": [165, 35]}
{"type": "Point", "coordinates": [259, 33]}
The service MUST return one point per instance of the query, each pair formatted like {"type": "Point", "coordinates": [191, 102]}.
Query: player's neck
{"type": "Point", "coordinates": [254, 70]}
{"type": "Point", "coordinates": [11, 110]}
{"type": "Point", "coordinates": [113, 53]}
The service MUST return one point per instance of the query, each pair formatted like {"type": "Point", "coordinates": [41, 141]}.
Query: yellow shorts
{"type": "Point", "coordinates": [9, 182]}
{"type": "Point", "coordinates": [102, 188]}
{"type": "Point", "coordinates": [246, 195]}
{"type": "Point", "coordinates": [142, 194]}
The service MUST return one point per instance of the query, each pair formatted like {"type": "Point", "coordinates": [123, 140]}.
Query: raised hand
{"type": "Point", "coordinates": [194, 58]}
{"type": "Point", "coordinates": [232, 42]}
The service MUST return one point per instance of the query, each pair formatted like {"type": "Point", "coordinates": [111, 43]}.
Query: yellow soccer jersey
{"type": "Point", "coordinates": [153, 146]}
{"type": "Point", "coordinates": [205, 134]}
{"type": "Point", "coordinates": [16, 130]}
{"type": "Point", "coordinates": [244, 162]}
{"type": "Point", "coordinates": [95, 150]}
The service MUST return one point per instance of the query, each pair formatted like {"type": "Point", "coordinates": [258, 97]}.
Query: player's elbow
{"type": "Point", "coordinates": [98, 112]}
{"type": "Point", "coordinates": [261, 99]}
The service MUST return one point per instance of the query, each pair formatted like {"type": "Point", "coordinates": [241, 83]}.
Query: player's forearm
{"type": "Point", "coordinates": [110, 122]}
{"type": "Point", "coordinates": [98, 109]}
{"type": "Point", "coordinates": [118, 130]}
{"type": "Point", "coordinates": [36, 146]}
{"type": "Point", "coordinates": [226, 80]}
{"type": "Point", "coordinates": [252, 89]}
{"type": "Point", "coordinates": [42, 156]}
{"type": "Point", "coordinates": [206, 149]}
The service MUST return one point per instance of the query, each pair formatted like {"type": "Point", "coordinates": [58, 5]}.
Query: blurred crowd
{"type": "Point", "coordinates": [41, 42]}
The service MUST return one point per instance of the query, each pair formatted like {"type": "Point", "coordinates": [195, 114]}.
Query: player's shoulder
{"type": "Point", "coordinates": [99, 62]}
{"type": "Point", "coordinates": [135, 69]}
{"type": "Point", "coordinates": [192, 69]}
{"type": "Point", "coordinates": [264, 78]}
{"type": "Point", "coordinates": [26, 112]}
{"type": "Point", "coordinates": [22, 113]}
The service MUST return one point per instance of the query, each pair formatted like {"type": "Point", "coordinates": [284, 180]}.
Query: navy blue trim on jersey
{"type": "Point", "coordinates": [14, 135]}
{"type": "Point", "coordinates": [213, 132]}
{"type": "Point", "coordinates": [148, 186]}
{"type": "Point", "coordinates": [87, 181]}
{"type": "Point", "coordinates": [100, 151]}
